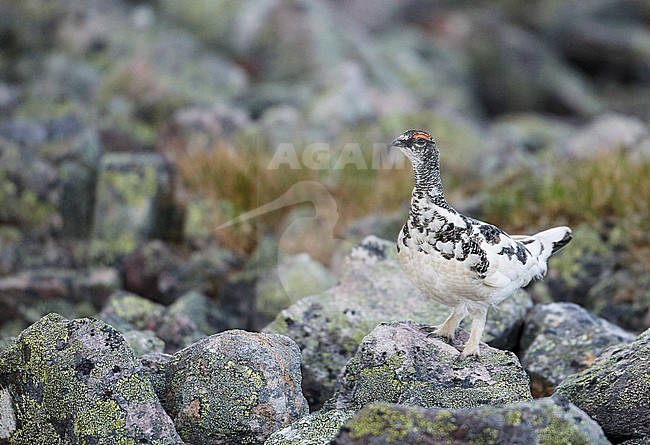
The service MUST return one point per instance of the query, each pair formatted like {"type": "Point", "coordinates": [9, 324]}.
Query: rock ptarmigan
{"type": "Point", "coordinates": [459, 261]}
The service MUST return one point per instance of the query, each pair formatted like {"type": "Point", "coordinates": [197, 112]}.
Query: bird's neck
{"type": "Point", "coordinates": [428, 183]}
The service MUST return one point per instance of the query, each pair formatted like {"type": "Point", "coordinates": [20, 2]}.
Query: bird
{"type": "Point", "coordinates": [461, 262]}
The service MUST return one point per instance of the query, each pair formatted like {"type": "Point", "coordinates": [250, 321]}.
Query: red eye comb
{"type": "Point", "coordinates": [421, 136]}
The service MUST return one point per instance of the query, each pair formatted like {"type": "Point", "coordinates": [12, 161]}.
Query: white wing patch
{"type": "Point", "coordinates": [497, 279]}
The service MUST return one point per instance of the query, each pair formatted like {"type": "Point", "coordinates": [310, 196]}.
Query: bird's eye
{"type": "Point", "coordinates": [419, 142]}
{"type": "Point", "coordinates": [420, 138]}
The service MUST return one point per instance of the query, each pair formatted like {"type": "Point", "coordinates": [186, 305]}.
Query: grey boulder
{"type": "Point", "coordinates": [560, 339]}
{"type": "Point", "coordinates": [615, 390]}
{"type": "Point", "coordinates": [317, 428]}
{"type": "Point", "coordinates": [537, 422]}
{"type": "Point", "coordinates": [400, 362]}
{"type": "Point", "coordinates": [77, 381]}
{"type": "Point", "coordinates": [235, 387]}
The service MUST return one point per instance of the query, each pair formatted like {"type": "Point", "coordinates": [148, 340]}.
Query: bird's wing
{"type": "Point", "coordinates": [496, 279]}
{"type": "Point", "coordinates": [509, 259]}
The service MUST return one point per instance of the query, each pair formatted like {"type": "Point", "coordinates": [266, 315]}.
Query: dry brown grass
{"type": "Point", "coordinates": [610, 190]}
{"type": "Point", "coordinates": [238, 176]}
{"type": "Point", "coordinates": [605, 187]}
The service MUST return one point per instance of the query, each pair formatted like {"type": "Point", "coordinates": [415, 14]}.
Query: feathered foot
{"type": "Point", "coordinates": [450, 326]}
{"type": "Point", "coordinates": [478, 326]}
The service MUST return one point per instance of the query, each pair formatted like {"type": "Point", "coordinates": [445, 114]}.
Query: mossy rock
{"type": "Point", "coordinates": [235, 387]}
{"type": "Point", "coordinates": [538, 422]}
{"type": "Point", "coordinates": [77, 381]}
{"type": "Point", "coordinates": [133, 193]}
{"type": "Point", "coordinates": [615, 390]}
{"type": "Point", "coordinates": [317, 428]}
{"type": "Point", "coordinates": [561, 339]}
{"type": "Point", "coordinates": [402, 362]}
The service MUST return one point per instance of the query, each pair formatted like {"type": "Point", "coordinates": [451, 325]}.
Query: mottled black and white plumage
{"type": "Point", "coordinates": [457, 260]}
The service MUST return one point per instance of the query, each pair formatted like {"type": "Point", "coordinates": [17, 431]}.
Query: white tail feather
{"type": "Point", "coordinates": [543, 244]}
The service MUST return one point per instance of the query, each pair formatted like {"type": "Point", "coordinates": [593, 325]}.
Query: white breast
{"type": "Point", "coordinates": [449, 281]}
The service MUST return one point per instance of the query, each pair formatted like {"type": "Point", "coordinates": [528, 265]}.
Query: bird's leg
{"type": "Point", "coordinates": [448, 328]}
{"type": "Point", "coordinates": [478, 326]}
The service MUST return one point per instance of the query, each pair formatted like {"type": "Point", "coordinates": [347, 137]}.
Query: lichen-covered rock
{"type": "Point", "coordinates": [317, 428]}
{"type": "Point", "coordinates": [401, 362]}
{"type": "Point", "coordinates": [590, 34]}
{"type": "Point", "coordinates": [201, 309]}
{"type": "Point", "coordinates": [77, 381]}
{"type": "Point", "coordinates": [27, 295]}
{"type": "Point", "coordinates": [235, 387]}
{"type": "Point", "coordinates": [615, 390]}
{"type": "Point", "coordinates": [154, 367]}
{"type": "Point", "coordinates": [328, 327]}
{"type": "Point", "coordinates": [297, 40]}
{"type": "Point", "coordinates": [126, 311]}
{"type": "Point", "coordinates": [561, 339]}
{"type": "Point", "coordinates": [28, 184]}
{"type": "Point", "coordinates": [538, 422]}
{"type": "Point", "coordinates": [53, 162]}
{"type": "Point", "coordinates": [530, 76]}
{"type": "Point", "coordinates": [143, 342]}
{"type": "Point", "coordinates": [294, 277]}
{"type": "Point", "coordinates": [76, 152]}
{"type": "Point", "coordinates": [147, 271]}
{"type": "Point", "coordinates": [133, 193]}
{"type": "Point", "coordinates": [190, 318]}
{"type": "Point", "coordinates": [631, 312]}
{"type": "Point", "coordinates": [156, 271]}
{"type": "Point", "coordinates": [5, 342]}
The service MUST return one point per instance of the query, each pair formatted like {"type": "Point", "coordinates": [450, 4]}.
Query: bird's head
{"type": "Point", "coordinates": [417, 145]}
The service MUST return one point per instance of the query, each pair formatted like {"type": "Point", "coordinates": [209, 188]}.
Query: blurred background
{"type": "Point", "coordinates": [132, 131]}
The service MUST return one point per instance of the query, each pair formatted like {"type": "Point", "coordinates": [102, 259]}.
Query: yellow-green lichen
{"type": "Point", "coordinates": [488, 436]}
{"type": "Point", "coordinates": [444, 423]}
{"type": "Point", "coordinates": [376, 419]}
{"type": "Point", "coordinates": [379, 383]}
{"type": "Point", "coordinates": [513, 417]}
{"type": "Point", "coordinates": [23, 206]}
{"type": "Point", "coordinates": [312, 429]}
{"type": "Point", "coordinates": [394, 424]}
{"type": "Point", "coordinates": [128, 187]}
{"type": "Point", "coordinates": [102, 249]}
{"type": "Point", "coordinates": [135, 388]}
{"type": "Point", "coordinates": [136, 188]}
{"type": "Point", "coordinates": [39, 432]}
{"type": "Point", "coordinates": [103, 419]}
{"type": "Point", "coordinates": [561, 431]}
{"type": "Point", "coordinates": [540, 421]}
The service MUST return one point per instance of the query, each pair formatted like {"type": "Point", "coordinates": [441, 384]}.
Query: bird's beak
{"type": "Point", "coordinates": [397, 143]}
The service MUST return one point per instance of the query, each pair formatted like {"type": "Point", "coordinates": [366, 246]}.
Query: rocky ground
{"type": "Point", "coordinates": [375, 380]}
{"type": "Point", "coordinates": [125, 318]}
